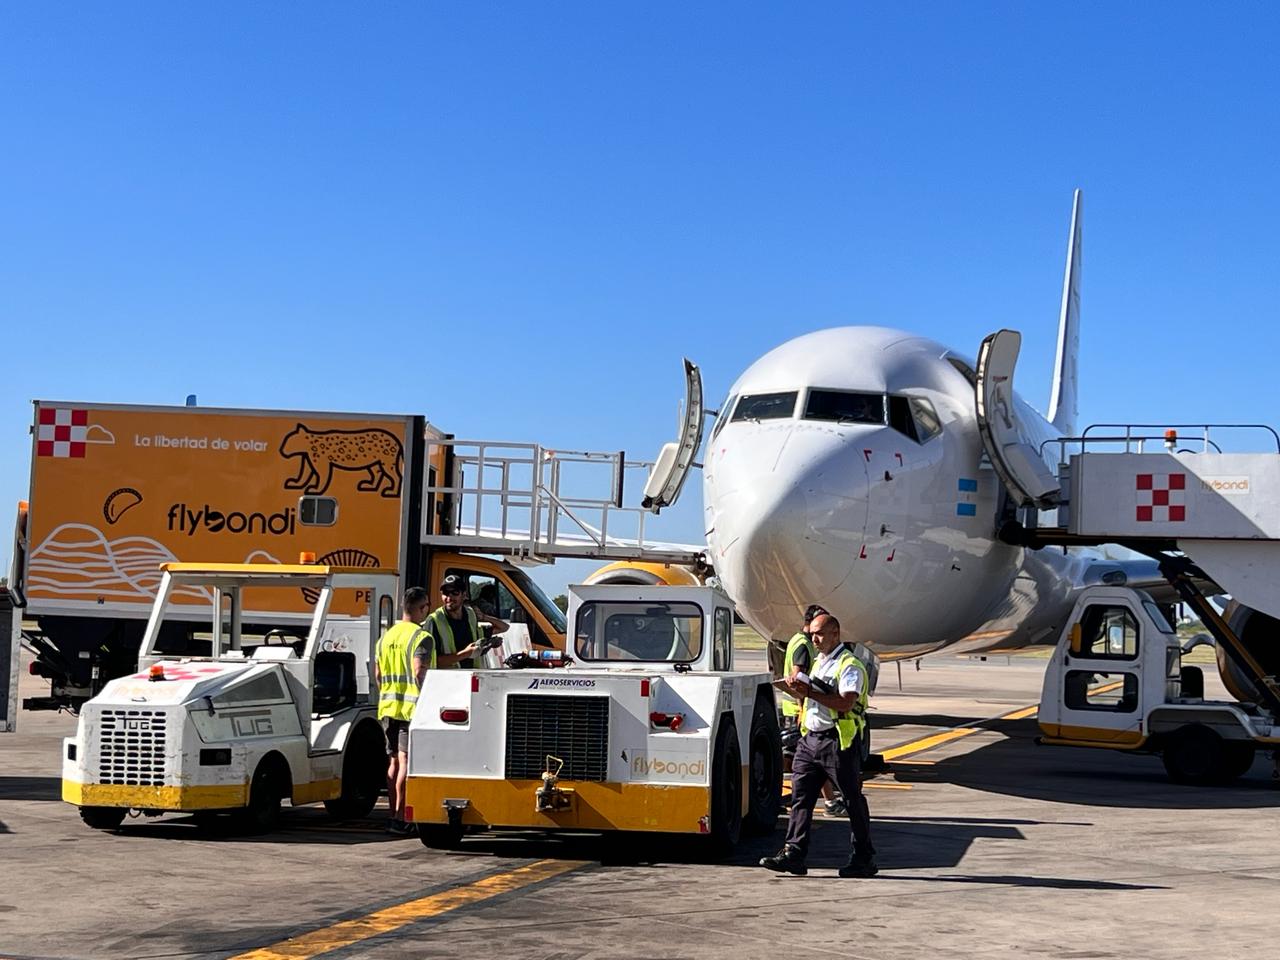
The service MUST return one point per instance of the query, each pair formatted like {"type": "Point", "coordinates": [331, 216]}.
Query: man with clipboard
{"type": "Point", "coordinates": [832, 720]}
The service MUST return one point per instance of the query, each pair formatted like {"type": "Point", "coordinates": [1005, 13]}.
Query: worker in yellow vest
{"type": "Point", "coordinates": [799, 660]}
{"type": "Point", "coordinates": [401, 652]}
{"type": "Point", "coordinates": [832, 721]}
{"type": "Point", "coordinates": [454, 626]}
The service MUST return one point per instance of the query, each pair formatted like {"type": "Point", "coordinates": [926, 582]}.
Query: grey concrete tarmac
{"type": "Point", "coordinates": [990, 846]}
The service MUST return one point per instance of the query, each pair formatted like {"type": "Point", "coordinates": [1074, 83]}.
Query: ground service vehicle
{"type": "Point", "coordinates": [285, 715]}
{"type": "Point", "coordinates": [118, 490]}
{"type": "Point", "coordinates": [646, 728]}
{"type": "Point", "coordinates": [1116, 680]}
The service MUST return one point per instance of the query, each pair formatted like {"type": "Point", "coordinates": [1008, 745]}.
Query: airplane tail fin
{"type": "Point", "coordinates": [1062, 402]}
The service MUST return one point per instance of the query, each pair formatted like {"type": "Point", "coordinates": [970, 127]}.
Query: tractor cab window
{"type": "Point", "coordinates": [1108, 633]}
{"type": "Point", "coordinates": [722, 649]}
{"type": "Point", "coordinates": [638, 630]}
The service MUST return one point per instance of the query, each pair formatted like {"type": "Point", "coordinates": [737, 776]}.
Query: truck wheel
{"type": "Point", "coordinates": [440, 836]}
{"type": "Point", "coordinates": [1193, 755]}
{"type": "Point", "coordinates": [364, 772]}
{"type": "Point", "coordinates": [764, 802]}
{"type": "Point", "coordinates": [1237, 758]}
{"type": "Point", "coordinates": [726, 792]}
{"type": "Point", "coordinates": [267, 789]}
{"type": "Point", "coordinates": [103, 818]}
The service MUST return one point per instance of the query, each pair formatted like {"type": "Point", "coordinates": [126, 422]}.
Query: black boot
{"type": "Point", "coordinates": [860, 867]}
{"type": "Point", "coordinates": [786, 860]}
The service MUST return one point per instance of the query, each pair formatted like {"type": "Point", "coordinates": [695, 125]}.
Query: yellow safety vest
{"type": "Point", "coordinates": [438, 623]}
{"type": "Point", "coordinates": [397, 682]}
{"type": "Point", "coordinates": [852, 722]}
{"type": "Point", "coordinates": [790, 705]}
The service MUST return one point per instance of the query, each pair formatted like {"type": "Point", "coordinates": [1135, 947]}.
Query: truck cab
{"type": "Point", "coordinates": [256, 718]}
{"type": "Point", "coordinates": [1116, 680]}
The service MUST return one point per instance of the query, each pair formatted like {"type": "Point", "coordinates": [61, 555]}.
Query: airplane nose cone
{"type": "Point", "coordinates": [787, 516]}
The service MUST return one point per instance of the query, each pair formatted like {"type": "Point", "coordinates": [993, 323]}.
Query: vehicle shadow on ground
{"type": "Point", "coordinates": [1018, 766]}
{"type": "Point", "coordinates": [302, 825]}
{"type": "Point", "coordinates": [30, 788]}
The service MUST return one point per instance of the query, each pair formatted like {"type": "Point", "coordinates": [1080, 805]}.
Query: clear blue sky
{"type": "Point", "coordinates": [517, 218]}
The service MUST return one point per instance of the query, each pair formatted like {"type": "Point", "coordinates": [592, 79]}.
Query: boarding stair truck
{"type": "Point", "coordinates": [647, 728]}
{"type": "Point", "coordinates": [1116, 680]}
{"type": "Point", "coordinates": [260, 718]}
{"type": "Point", "coordinates": [1209, 518]}
{"type": "Point", "coordinates": [117, 490]}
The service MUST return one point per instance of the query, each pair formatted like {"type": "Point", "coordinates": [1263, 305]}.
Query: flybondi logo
{"type": "Point", "coordinates": [188, 520]}
{"type": "Point", "coordinates": [1228, 486]}
{"type": "Point", "coordinates": [643, 766]}
{"type": "Point", "coordinates": [559, 682]}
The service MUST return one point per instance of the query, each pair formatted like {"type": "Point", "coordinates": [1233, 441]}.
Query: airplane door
{"type": "Point", "coordinates": [1015, 459]}
{"type": "Point", "coordinates": [669, 472]}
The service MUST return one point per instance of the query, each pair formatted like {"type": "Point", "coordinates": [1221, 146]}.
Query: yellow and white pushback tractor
{"type": "Point", "coordinates": [646, 727]}
{"type": "Point", "coordinates": [286, 715]}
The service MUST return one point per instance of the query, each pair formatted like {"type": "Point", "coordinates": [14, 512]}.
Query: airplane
{"type": "Point", "coordinates": [847, 468]}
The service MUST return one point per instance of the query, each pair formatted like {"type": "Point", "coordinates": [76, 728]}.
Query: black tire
{"type": "Point", "coordinates": [441, 836]}
{"type": "Point", "coordinates": [764, 779]}
{"type": "Point", "coordinates": [1193, 755]}
{"type": "Point", "coordinates": [103, 818]}
{"type": "Point", "coordinates": [269, 786]}
{"type": "Point", "coordinates": [726, 791]}
{"type": "Point", "coordinates": [1237, 758]}
{"type": "Point", "coordinates": [364, 773]}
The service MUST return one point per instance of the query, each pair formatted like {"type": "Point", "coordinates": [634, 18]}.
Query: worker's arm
{"type": "Point", "coordinates": [420, 664]}
{"type": "Point", "coordinates": [499, 626]}
{"type": "Point", "coordinates": [451, 659]}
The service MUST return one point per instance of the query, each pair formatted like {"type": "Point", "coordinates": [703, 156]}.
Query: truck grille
{"type": "Point", "coordinates": [575, 729]}
{"type": "Point", "coordinates": [131, 747]}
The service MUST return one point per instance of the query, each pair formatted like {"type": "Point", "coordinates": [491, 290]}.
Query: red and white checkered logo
{"type": "Point", "coordinates": [1160, 497]}
{"type": "Point", "coordinates": [61, 432]}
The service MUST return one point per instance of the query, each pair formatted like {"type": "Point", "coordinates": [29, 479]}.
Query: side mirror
{"type": "Point", "coordinates": [1077, 639]}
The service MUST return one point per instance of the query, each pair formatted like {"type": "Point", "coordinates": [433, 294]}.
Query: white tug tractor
{"type": "Point", "coordinates": [267, 715]}
{"type": "Point", "coordinates": [644, 728]}
{"type": "Point", "coordinates": [1116, 680]}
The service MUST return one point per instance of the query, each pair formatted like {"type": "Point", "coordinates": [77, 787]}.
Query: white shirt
{"type": "Point", "coordinates": [849, 680]}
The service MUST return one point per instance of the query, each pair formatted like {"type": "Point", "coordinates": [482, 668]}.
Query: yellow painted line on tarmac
{"type": "Point", "coordinates": [347, 932]}
{"type": "Point", "coordinates": [1021, 714]}
{"type": "Point", "coordinates": [929, 742]}
{"type": "Point", "coordinates": [875, 785]}
{"type": "Point", "coordinates": [946, 736]}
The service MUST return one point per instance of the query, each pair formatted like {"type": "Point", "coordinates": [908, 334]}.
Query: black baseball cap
{"type": "Point", "coordinates": [452, 582]}
{"type": "Point", "coordinates": [813, 611]}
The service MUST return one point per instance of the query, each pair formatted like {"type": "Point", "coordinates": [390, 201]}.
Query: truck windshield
{"type": "Point", "coordinates": [638, 630]}
{"type": "Point", "coordinates": [523, 582]}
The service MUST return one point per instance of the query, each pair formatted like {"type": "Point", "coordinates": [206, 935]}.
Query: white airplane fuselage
{"type": "Point", "coordinates": [895, 535]}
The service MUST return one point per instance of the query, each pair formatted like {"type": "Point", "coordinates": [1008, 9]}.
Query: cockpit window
{"type": "Point", "coordinates": [765, 406]}
{"type": "Point", "coordinates": [723, 416]}
{"type": "Point", "coordinates": [966, 371]}
{"type": "Point", "coordinates": [928, 425]}
{"type": "Point", "coordinates": [914, 417]}
{"type": "Point", "coordinates": [844, 407]}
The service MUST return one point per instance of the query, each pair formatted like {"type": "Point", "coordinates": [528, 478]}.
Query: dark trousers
{"type": "Point", "coordinates": [819, 759]}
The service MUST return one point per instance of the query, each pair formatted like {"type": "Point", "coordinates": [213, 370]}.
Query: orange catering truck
{"type": "Point", "coordinates": [117, 490]}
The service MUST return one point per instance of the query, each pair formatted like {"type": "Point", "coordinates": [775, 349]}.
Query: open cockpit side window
{"type": "Point", "coordinates": [914, 417]}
